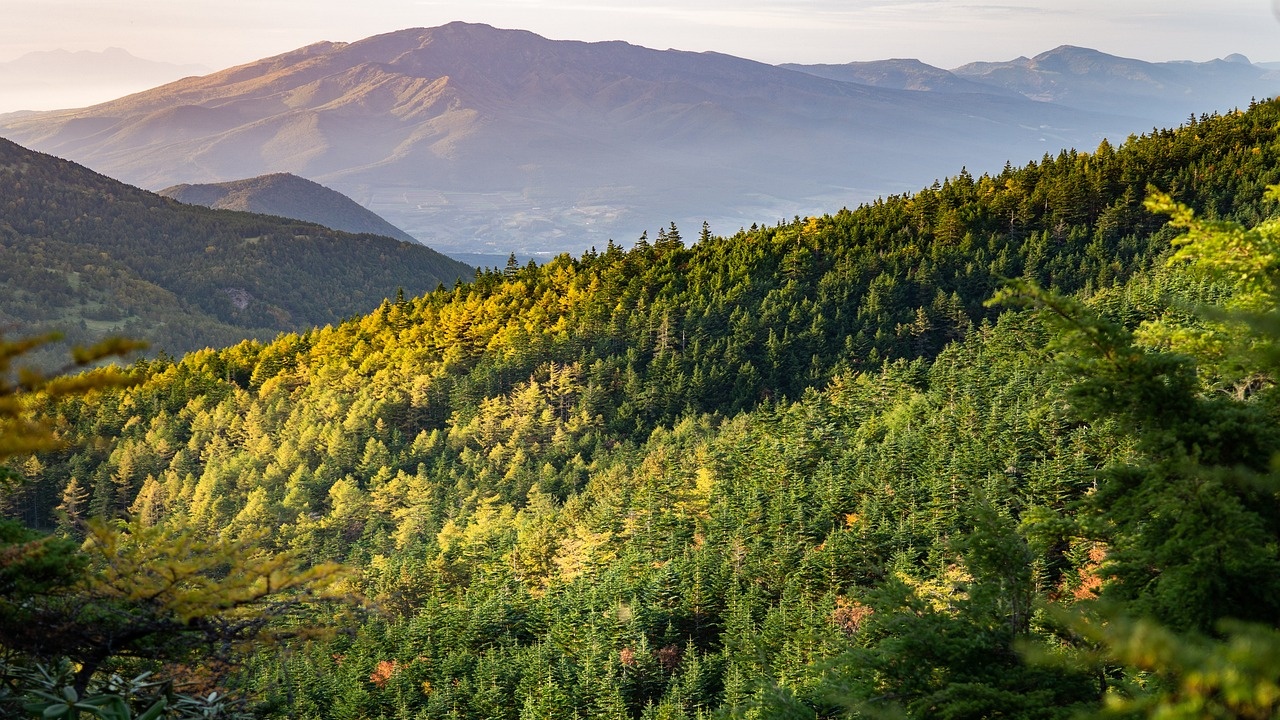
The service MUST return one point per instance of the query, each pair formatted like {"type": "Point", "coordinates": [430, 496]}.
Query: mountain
{"type": "Point", "coordinates": [88, 255]}
{"type": "Point", "coordinates": [288, 196]}
{"type": "Point", "coordinates": [1160, 92]}
{"type": "Point", "coordinates": [48, 80]}
{"type": "Point", "coordinates": [477, 139]}
{"type": "Point", "coordinates": [900, 74]}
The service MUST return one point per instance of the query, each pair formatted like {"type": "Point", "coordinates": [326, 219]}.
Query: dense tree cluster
{"type": "Point", "coordinates": [805, 468]}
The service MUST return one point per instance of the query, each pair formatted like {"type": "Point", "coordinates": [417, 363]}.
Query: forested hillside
{"type": "Point", "coordinates": [87, 255]}
{"type": "Point", "coordinates": [805, 470]}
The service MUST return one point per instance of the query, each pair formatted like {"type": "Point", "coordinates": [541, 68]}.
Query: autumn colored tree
{"type": "Point", "coordinates": [147, 592]}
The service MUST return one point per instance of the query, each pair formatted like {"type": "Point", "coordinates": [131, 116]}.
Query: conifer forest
{"type": "Point", "coordinates": [1003, 447]}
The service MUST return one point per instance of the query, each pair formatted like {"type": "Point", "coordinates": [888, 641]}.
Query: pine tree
{"type": "Point", "coordinates": [72, 509]}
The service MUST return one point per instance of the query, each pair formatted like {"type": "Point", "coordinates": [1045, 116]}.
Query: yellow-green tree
{"type": "Point", "coordinates": [143, 590]}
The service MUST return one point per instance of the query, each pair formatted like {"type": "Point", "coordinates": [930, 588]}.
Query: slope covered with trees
{"type": "Point", "coordinates": [803, 469]}
{"type": "Point", "coordinates": [88, 255]}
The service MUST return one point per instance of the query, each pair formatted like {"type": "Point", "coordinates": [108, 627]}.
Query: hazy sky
{"type": "Point", "coordinates": [220, 33]}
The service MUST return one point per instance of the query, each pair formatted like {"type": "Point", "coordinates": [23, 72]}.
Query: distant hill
{"type": "Point", "coordinates": [482, 140]}
{"type": "Point", "coordinates": [88, 255]}
{"type": "Point", "coordinates": [44, 80]}
{"type": "Point", "coordinates": [288, 196]}
{"type": "Point", "coordinates": [900, 74]}
{"type": "Point", "coordinates": [1162, 92]}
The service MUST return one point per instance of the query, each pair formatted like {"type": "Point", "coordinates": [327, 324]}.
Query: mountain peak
{"type": "Point", "coordinates": [454, 33]}
{"type": "Point", "coordinates": [1077, 60]}
{"type": "Point", "coordinates": [1070, 50]}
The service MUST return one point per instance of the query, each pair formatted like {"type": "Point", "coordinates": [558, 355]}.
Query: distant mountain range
{"type": "Point", "coordinates": [288, 196]}
{"type": "Point", "coordinates": [1163, 93]}
{"type": "Point", "coordinates": [1160, 93]}
{"type": "Point", "coordinates": [88, 255]}
{"type": "Point", "coordinates": [42, 80]}
{"type": "Point", "coordinates": [480, 140]}
{"type": "Point", "coordinates": [901, 74]}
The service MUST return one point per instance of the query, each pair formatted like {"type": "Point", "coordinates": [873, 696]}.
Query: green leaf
{"type": "Point", "coordinates": [154, 711]}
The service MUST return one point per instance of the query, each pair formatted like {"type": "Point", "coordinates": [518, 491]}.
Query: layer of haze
{"type": "Point", "coordinates": [947, 33]}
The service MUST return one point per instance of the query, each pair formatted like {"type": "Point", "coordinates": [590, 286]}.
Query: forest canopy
{"type": "Point", "coordinates": [806, 469]}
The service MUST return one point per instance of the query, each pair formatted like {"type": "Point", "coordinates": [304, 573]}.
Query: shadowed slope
{"type": "Point", "coordinates": [88, 255]}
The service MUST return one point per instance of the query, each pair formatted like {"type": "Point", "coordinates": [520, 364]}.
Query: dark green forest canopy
{"type": "Point", "coordinates": [87, 255]}
{"type": "Point", "coordinates": [660, 481]}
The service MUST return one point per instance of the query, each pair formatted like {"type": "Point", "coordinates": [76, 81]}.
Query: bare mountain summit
{"type": "Point", "coordinates": [484, 140]}
{"type": "Point", "coordinates": [288, 196]}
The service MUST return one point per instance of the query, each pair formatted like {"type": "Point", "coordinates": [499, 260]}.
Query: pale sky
{"type": "Point", "coordinates": [947, 33]}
